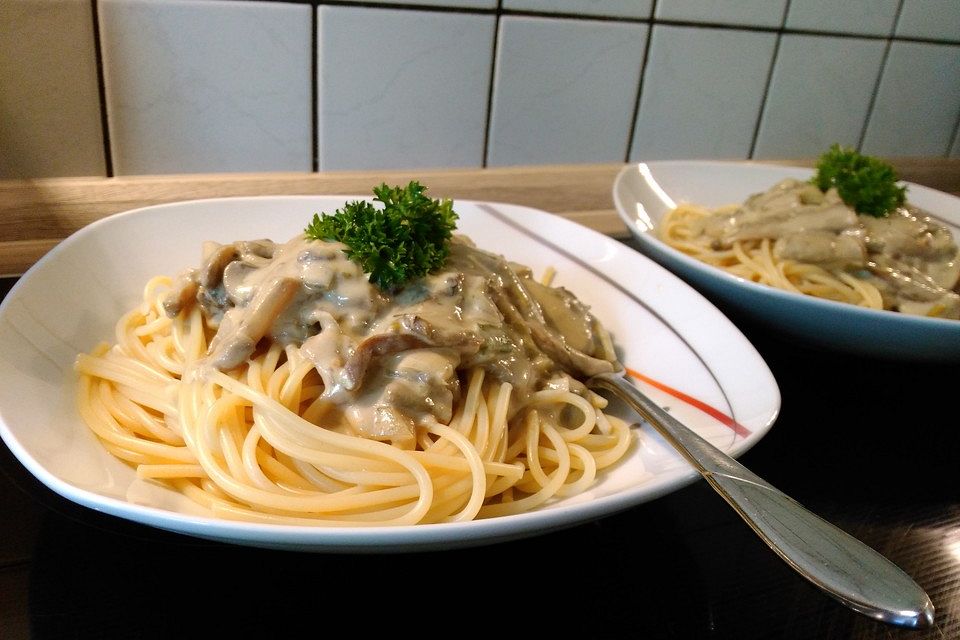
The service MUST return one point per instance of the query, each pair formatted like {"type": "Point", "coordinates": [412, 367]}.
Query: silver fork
{"type": "Point", "coordinates": [831, 559]}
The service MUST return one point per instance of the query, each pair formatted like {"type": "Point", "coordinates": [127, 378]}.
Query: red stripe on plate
{"type": "Point", "coordinates": [738, 428]}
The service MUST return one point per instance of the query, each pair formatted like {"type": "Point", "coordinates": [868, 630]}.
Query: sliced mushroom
{"type": "Point", "coordinates": [413, 332]}
{"type": "Point", "coordinates": [903, 233]}
{"type": "Point", "coordinates": [211, 274]}
{"type": "Point", "coordinates": [230, 350]}
{"type": "Point", "coordinates": [182, 294]}
{"type": "Point", "coordinates": [904, 281]}
{"type": "Point", "coordinates": [251, 250]}
{"type": "Point", "coordinates": [823, 248]}
{"type": "Point", "coordinates": [406, 389]}
{"type": "Point", "coordinates": [551, 343]}
{"type": "Point", "coordinates": [835, 218]}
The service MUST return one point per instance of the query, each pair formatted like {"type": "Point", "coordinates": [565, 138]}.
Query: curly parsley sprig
{"type": "Point", "coordinates": [865, 183]}
{"type": "Point", "coordinates": [406, 238]}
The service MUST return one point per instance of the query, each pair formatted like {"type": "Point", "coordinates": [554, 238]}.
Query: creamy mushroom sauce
{"type": "Point", "coordinates": [390, 360]}
{"type": "Point", "coordinates": [910, 258]}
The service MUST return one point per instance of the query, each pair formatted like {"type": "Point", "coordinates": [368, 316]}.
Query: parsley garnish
{"type": "Point", "coordinates": [404, 239]}
{"type": "Point", "coordinates": [866, 184]}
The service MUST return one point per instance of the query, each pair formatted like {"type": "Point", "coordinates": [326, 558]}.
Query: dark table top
{"type": "Point", "coordinates": [870, 445]}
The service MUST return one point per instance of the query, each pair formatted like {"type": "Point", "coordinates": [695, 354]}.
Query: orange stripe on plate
{"type": "Point", "coordinates": [738, 428]}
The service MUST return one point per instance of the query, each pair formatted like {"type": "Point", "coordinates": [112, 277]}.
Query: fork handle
{"type": "Point", "coordinates": [831, 559]}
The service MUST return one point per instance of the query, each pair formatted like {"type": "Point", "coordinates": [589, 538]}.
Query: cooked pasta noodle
{"type": "Point", "coordinates": [269, 440]}
{"type": "Point", "coordinates": [795, 238]}
{"type": "Point", "coordinates": [755, 261]}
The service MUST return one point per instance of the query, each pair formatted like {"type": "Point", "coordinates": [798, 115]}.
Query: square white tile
{"type": "Point", "coordinates": [207, 86]}
{"type": "Point", "coordinates": [918, 102]}
{"type": "Point", "coordinates": [866, 17]}
{"type": "Point", "coordinates": [49, 100]}
{"type": "Point", "coordinates": [564, 90]}
{"type": "Point", "coordinates": [615, 8]}
{"type": "Point", "coordinates": [693, 105]}
{"type": "Point", "coordinates": [819, 94]}
{"type": "Point", "coordinates": [936, 19]}
{"type": "Point", "coordinates": [402, 89]}
{"type": "Point", "coordinates": [755, 13]}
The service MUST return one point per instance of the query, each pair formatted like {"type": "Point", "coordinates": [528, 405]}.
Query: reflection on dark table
{"type": "Point", "coordinates": [870, 445]}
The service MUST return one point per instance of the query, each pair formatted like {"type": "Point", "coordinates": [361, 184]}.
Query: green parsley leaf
{"type": "Point", "coordinates": [404, 239]}
{"type": "Point", "coordinates": [865, 183]}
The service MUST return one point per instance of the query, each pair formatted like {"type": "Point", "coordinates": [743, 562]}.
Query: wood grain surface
{"type": "Point", "coordinates": [36, 214]}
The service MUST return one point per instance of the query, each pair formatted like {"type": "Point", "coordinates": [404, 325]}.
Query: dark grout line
{"type": "Point", "coordinates": [101, 89]}
{"type": "Point", "coordinates": [880, 73]}
{"type": "Point", "coordinates": [493, 74]}
{"type": "Point", "coordinates": [561, 15]}
{"type": "Point", "coordinates": [643, 74]}
{"type": "Point", "coordinates": [314, 89]}
{"type": "Point", "coordinates": [401, 6]}
{"type": "Point", "coordinates": [873, 96]}
{"type": "Point", "coordinates": [955, 138]}
{"type": "Point", "coordinates": [766, 95]}
{"type": "Point", "coordinates": [766, 87]}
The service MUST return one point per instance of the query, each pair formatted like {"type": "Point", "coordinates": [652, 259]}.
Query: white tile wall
{"type": "Point", "coordinates": [819, 94]}
{"type": "Point", "coordinates": [762, 13]}
{"type": "Point", "coordinates": [621, 8]}
{"type": "Point", "coordinates": [702, 93]}
{"type": "Point", "coordinates": [868, 17]}
{"type": "Point", "coordinates": [402, 88]}
{"type": "Point", "coordinates": [938, 19]}
{"type": "Point", "coordinates": [49, 102]}
{"type": "Point", "coordinates": [918, 101]}
{"type": "Point", "coordinates": [207, 86]}
{"type": "Point", "coordinates": [241, 85]}
{"type": "Point", "coordinates": [564, 90]}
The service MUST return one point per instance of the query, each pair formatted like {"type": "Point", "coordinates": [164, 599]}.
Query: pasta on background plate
{"type": "Point", "coordinates": [848, 235]}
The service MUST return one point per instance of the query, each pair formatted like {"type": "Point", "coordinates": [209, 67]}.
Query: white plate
{"type": "Point", "coordinates": [644, 192]}
{"type": "Point", "coordinates": [71, 299]}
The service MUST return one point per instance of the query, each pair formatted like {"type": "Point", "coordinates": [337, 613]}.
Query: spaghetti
{"type": "Point", "coordinates": [447, 401]}
{"type": "Point", "coordinates": [796, 238]}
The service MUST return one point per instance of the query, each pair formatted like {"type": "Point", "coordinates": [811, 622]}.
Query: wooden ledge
{"type": "Point", "coordinates": [36, 214]}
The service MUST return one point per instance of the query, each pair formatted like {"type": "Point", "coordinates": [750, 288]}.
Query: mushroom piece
{"type": "Point", "coordinates": [256, 251]}
{"type": "Point", "coordinates": [835, 218]}
{"type": "Point", "coordinates": [414, 333]}
{"type": "Point", "coordinates": [182, 293]}
{"type": "Point", "coordinates": [552, 343]}
{"type": "Point", "coordinates": [211, 274]}
{"type": "Point", "coordinates": [909, 290]}
{"type": "Point", "coordinates": [523, 310]}
{"type": "Point", "coordinates": [823, 248]}
{"type": "Point", "coordinates": [229, 349]}
{"type": "Point", "coordinates": [407, 388]}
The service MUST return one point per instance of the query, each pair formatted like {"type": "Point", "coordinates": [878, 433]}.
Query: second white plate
{"type": "Point", "coordinates": [644, 192]}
